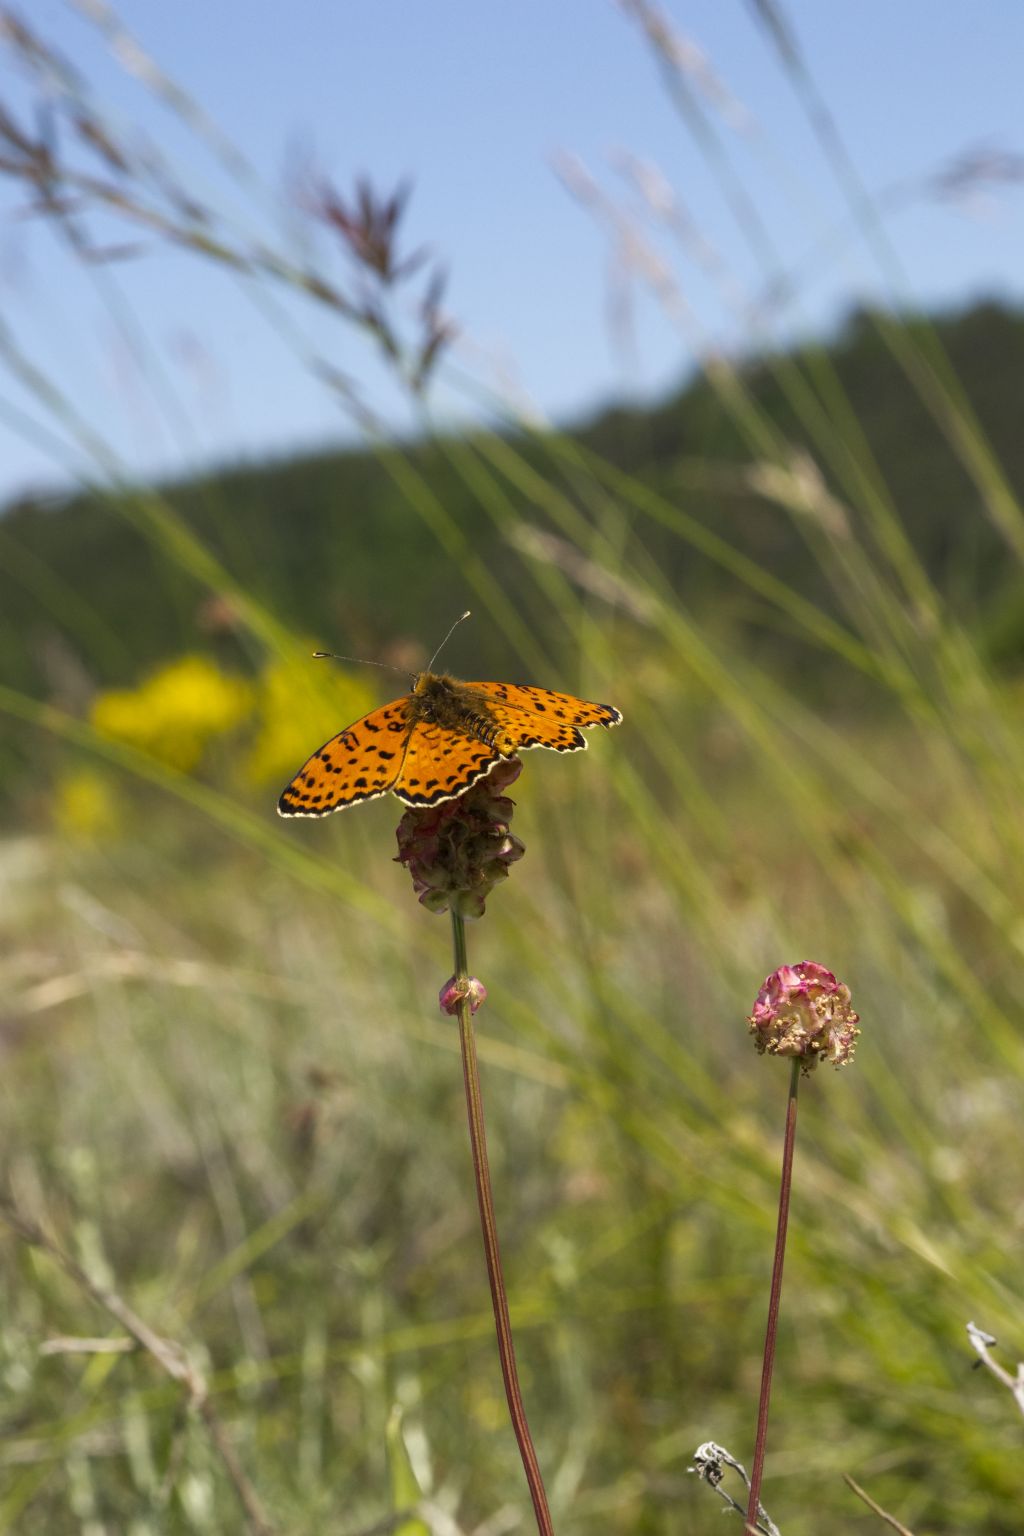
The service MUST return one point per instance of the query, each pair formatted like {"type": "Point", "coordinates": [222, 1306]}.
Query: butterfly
{"type": "Point", "coordinates": [437, 741]}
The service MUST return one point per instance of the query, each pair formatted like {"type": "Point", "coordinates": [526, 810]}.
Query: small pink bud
{"type": "Point", "coordinates": [454, 990]}
{"type": "Point", "coordinates": [802, 1010]}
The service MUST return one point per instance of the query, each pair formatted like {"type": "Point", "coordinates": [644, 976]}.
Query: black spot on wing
{"type": "Point", "coordinates": [526, 699]}
{"type": "Point", "coordinates": [436, 792]}
{"type": "Point", "coordinates": [612, 716]}
{"type": "Point", "coordinates": [572, 741]}
{"type": "Point", "coordinates": [306, 805]}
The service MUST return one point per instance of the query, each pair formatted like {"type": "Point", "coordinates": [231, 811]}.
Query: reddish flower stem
{"type": "Point", "coordinates": [771, 1333]}
{"type": "Point", "coordinates": [488, 1226]}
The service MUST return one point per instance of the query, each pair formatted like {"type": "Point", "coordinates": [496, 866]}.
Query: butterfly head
{"type": "Point", "coordinates": [423, 682]}
{"type": "Point", "coordinates": [437, 696]}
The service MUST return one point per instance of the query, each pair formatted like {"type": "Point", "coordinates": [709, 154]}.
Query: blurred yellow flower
{"type": "Point", "coordinates": [179, 711]}
{"type": "Point", "coordinates": [299, 705]}
{"type": "Point", "coordinates": [85, 808]}
{"type": "Point", "coordinates": [176, 712]}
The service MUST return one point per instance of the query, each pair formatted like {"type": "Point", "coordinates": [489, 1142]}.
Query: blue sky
{"type": "Point", "coordinates": [173, 363]}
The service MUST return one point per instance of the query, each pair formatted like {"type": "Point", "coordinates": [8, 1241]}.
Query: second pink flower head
{"type": "Point", "coordinates": [803, 1011]}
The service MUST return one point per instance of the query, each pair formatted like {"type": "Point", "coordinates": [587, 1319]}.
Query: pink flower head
{"type": "Point", "coordinates": [802, 1010]}
{"type": "Point", "coordinates": [454, 990]}
{"type": "Point", "coordinates": [456, 852]}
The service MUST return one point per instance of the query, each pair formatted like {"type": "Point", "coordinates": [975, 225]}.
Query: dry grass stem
{"type": "Point", "coordinates": [882, 1514]}
{"type": "Point", "coordinates": [709, 1463]}
{"type": "Point", "coordinates": [170, 1356]}
{"type": "Point", "coordinates": [983, 1343]}
{"type": "Point", "coordinates": [63, 1345]}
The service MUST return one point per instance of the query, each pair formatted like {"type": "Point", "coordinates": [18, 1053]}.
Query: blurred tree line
{"type": "Point", "coordinates": [332, 545]}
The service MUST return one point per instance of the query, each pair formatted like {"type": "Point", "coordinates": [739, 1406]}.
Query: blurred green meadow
{"type": "Point", "coordinates": [229, 1095]}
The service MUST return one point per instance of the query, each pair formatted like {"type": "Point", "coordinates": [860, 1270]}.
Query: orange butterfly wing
{"type": "Point", "coordinates": [426, 763]}
{"type": "Point", "coordinates": [440, 764]}
{"type": "Point", "coordinates": [360, 763]}
{"type": "Point", "coordinates": [537, 717]}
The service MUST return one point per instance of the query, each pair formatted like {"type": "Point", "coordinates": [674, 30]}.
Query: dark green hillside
{"type": "Point", "coordinates": [937, 503]}
{"type": "Point", "coordinates": [339, 549]}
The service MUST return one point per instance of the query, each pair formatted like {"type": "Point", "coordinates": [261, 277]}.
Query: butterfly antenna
{"type": "Point", "coordinates": [359, 660]}
{"type": "Point", "coordinates": [444, 642]}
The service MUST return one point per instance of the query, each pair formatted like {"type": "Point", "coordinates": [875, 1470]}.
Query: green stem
{"type": "Point", "coordinates": [775, 1295]}
{"type": "Point", "coordinates": [459, 944]}
{"type": "Point", "coordinates": [489, 1228]}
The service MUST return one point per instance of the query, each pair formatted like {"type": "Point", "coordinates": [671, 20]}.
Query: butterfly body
{"type": "Point", "coordinates": [438, 699]}
{"type": "Point", "coordinates": [436, 742]}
